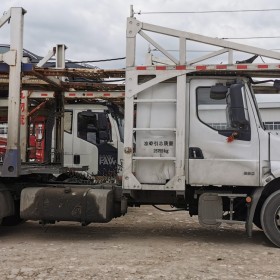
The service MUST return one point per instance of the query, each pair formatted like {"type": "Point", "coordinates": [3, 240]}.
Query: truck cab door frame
{"type": "Point", "coordinates": [223, 158]}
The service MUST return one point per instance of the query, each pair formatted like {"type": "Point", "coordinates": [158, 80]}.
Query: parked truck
{"type": "Point", "coordinates": [175, 152]}
{"type": "Point", "coordinates": [93, 133]}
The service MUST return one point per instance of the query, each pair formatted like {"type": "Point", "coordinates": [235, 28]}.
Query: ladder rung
{"type": "Point", "coordinates": [154, 129]}
{"type": "Point", "coordinates": [155, 101]}
{"type": "Point", "coordinates": [154, 158]}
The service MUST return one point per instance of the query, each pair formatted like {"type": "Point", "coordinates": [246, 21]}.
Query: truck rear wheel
{"type": "Point", "coordinates": [15, 219]}
{"type": "Point", "coordinates": [270, 218]}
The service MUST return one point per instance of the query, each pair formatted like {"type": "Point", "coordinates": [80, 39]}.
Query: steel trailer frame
{"type": "Point", "coordinates": [12, 163]}
{"type": "Point", "coordinates": [178, 71]}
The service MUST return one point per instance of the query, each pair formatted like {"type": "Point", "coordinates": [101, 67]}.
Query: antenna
{"type": "Point", "coordinates": [131, 11]}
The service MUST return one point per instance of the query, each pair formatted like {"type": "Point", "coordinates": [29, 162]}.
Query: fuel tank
{"type": "Point", "coordinates": [85, 205]}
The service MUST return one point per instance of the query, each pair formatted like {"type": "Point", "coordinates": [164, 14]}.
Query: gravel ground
{"type": "Point", "coordinates": [145, 244]}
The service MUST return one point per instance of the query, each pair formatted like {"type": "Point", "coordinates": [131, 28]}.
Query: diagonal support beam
{"type": "Point", "coordinates": [156, 45]}
{"type": "Point", "coordinates": [207, 56]}
{"type": "Point", "coordinates": [45, 59]}
{"type": "Point", "coordinates": [9, 57]}
{"type": "Point", "coordinates": [5, 18]}
{"type": "Point", "coordinates": [133, 88]}
{"type": "Point", "coordinates": [50, 80]}
{"type": "Point", "coordinates": [208, 40]}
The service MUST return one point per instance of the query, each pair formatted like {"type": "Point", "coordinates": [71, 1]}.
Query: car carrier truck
{"type": "Point", "coordinates": [93, 132]}
{"type": "Point", "coordinates": [175, 151]}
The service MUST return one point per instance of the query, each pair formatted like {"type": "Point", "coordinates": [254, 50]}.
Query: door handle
{"type": "Point", "coordinates": [77, 159]}
{"type": "Point", "coordinates": [195, 153]}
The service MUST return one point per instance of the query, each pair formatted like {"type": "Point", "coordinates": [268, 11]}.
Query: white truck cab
{"type": "Point", "coordinates": [93, 139]}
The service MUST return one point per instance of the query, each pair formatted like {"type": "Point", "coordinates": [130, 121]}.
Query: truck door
{"type": "Point", "coordinates": [92, 143]}
{"type": "Point", "coordinates": [68, 138]}
{"type": "Point", "coordinates": [37, 140]}
{"type": "Point", "coordinates": [223, 139]}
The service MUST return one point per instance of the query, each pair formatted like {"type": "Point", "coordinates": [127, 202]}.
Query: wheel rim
{"type": "Point", "coordinates": [277, 218]}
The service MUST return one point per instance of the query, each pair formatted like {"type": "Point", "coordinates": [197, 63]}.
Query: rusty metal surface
{"type": "Point", "coordinates": [86, 79]}
{"type": "Point", "coordinates": [94, 86]}
{"type": "Point", "coordinates": [97, 79]}
{"type": "Point", "coordinates": [96, 74]}
{"type": "Point", "coordinates": [35, 84]}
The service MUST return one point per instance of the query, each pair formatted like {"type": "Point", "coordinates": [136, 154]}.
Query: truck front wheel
{"type": "Point", "coordinates": [270, 218]}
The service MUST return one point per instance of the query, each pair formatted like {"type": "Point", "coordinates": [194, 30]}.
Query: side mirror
{"type": "Point", "coordinates": [218, 92]}
{"type": "Point", "coordinates": [104, 135]}
{"type": "Point", "coordinates": [236, 109]}
{"type": "Point", "coordinates": [276, 84]}
{"type": "Point", "coordinates": [102, 122]}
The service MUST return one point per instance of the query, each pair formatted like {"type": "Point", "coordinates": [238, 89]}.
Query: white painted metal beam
{"type": "Point", "coordinates": [12, 162]}
{"type": "Point", "coordinates": [44, 60]}
{"type": "Point", "coordinates": [5, 18]}
{"type": "Point", "coordinates": [9, 57]}
{"type": "Point", "coordinates": [60, 56]}
{"type": "Point", "coordinates": [210, 40]}
{"type": "Point", "coordinates": [207, 56]}
{"type": "Point", "coordinates": [159, 47]}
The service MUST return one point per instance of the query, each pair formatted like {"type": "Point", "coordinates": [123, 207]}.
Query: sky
{"type": "Point", "coordinates": [96, 29]}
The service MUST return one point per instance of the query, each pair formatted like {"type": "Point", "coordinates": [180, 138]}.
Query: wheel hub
{"type": "Point", "coordinates": [277, 217]}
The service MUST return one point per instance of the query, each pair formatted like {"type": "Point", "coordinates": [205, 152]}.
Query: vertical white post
{"type": "Point", "coordinates": [128, 141]}
{"type": "Point", "coordinates": [230, 56]}
{"type": "Point", "coordinates": [131, 11]}
{"type": "Point", "coordinates": [130, 43]}
{"type": "Point", "coordinates": [181, 119]}
{"type": "Point", "coordinates": [23, 124]}
{"type": "Point", "coordinates": [59, 123]}
{"type": "Point", "coordinates": [182, 51]}
{"type": "Point", "coordinates": [129, 104]}
{"type": "Point", "coordinates": [60, 56]}
{"type": "Point", "coordinates": [11, 164]}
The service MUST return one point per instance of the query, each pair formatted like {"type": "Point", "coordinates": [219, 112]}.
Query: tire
{"type": "Point", "coordinates": [15, 219]}
{"type": "Point", "coordinates": [12, 221]}
{"type": "Point", "coordinates": [257, 215]}
{"type": "Point", "coordinates": [257, 220]}
{"type": "Point", "coordinates": [270, 218]}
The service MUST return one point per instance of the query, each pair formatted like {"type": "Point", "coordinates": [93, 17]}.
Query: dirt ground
{"type": "Point", "coordinates": [145, 244]}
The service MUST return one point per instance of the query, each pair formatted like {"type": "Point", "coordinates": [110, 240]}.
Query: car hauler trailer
{"type": "Point", "coordinates": [175, 152]}
{"type": "Point", "coordinates": [17, 170]}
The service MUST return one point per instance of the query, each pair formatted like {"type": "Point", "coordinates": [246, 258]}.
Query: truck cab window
{"type": "Point", "coordinates": [94, 127]}
{"type": "Point", "coordinates": [68, 119]}
{"type": "Point", "coordinates": [226, 115]}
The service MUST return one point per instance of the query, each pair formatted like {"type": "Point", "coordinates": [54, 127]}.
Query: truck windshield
{"type": "Point", "coordinates": [218, 114]}
{"type": "Point", "coordinates": [256, 106]}
{"type": "Point", "coordinates": [93, 127]}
